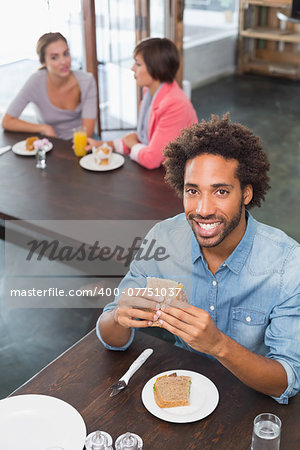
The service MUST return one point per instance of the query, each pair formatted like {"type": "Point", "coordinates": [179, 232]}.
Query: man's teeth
{"type": "Point", "coordinates": [208, 226]}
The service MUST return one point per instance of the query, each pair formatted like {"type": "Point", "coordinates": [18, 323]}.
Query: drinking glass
{"type": "Point", "coordinates": [80, 140]}
{"type": "Point", "coordinates": [266, 432]}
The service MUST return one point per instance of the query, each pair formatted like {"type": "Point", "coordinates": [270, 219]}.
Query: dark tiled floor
{"type": "Point", "coordinates": [30, 338]}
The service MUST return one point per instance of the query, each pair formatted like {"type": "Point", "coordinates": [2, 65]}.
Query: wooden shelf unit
{"type": "Point", "coordinates": [267, 45]}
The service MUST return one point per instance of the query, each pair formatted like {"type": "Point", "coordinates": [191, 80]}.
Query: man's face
{"type": "Point", "coordinates": [214, 203]}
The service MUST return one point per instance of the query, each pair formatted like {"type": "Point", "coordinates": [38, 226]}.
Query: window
{"type": "Point", "coordinates": [115, 31]}
{"type": "Point", "coordinates": [22, 23]}
{"type": "Point", "coordinates": [208, 20]}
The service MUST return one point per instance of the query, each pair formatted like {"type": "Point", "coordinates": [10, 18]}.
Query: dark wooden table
{"type": "Point", "coordinates": [66, 191]}
{"type": "Point", "coordinates": [83, 374]}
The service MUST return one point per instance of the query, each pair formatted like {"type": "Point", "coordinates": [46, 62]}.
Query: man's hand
{"type": "Point", "coordinates": [130, 139]}
{"type": "Point", "coordinates": [194, 325]}
{"type": "Point", "coordinates": [131, 310]}
{"type": "Point", "coordinates": [115, 325]}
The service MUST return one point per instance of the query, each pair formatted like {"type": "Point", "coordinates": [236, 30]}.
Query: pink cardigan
{"type": "Point", "coordinates": [171, 111]}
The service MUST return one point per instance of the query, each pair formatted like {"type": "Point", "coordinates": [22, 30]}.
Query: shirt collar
{"type": "Point", "coordinates": [238, 257]}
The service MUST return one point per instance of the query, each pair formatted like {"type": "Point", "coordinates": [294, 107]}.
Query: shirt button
{"type": "Point", "coordinates": [224, 265]}
{"type": "Point", "coordinates": [248, 319]}
{"type": "Point", "coordinates": [212, 307]}
{"type": "Point", "coordinates": [214, 283]}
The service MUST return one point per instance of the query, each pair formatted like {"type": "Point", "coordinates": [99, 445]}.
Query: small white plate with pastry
{"type": "Point", "coordinates": [196, 392]}
{"type": "Point", "coordinates": [88, 162]}
{"type": "Point", "coordinates": [26, 147]}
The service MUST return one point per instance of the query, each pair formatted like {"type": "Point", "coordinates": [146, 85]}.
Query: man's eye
{"type": "Point", "coordinates": [222, 192]}
{"type": "Point", "coordinates": [54, 58]}
{"type": "Point", "coordinates": [66, 53]}
{"type": "Point", "coordinates": [191, 191]}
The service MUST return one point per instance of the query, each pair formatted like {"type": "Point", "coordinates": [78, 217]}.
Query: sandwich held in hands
{"type": "Point", "coordinates": [137, 307]}
{"type": "Point", "coordinates": [172, 390]}
{"type": "Point", "coordinates": [171, 291]}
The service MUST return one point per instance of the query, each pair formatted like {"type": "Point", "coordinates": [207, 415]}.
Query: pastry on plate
{"type": "Point", "coordinates": [102, 154]}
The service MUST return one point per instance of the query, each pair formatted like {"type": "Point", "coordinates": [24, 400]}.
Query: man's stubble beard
{"type": "Point", "coordinates": [226, 231]}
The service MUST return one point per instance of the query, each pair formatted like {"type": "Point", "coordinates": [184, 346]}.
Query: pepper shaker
{"type": "Point", "coordinates": [41, 158]}
{"type": "Point", "coordinates": [41, 145]}
{"type": "Point", "coordinates": [98, 440]}
{"type": "Point", "coordinates": [129, 441]}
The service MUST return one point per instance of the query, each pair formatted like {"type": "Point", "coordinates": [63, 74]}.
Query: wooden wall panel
{"type": "Point", "coordinates": [89, 23]}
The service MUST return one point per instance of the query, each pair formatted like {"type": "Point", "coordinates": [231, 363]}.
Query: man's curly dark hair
{"type": "Point", "coordinates": [224, 138]}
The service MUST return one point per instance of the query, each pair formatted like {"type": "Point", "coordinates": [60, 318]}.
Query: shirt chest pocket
{"type": "Point", "coordinates": [248, 328]}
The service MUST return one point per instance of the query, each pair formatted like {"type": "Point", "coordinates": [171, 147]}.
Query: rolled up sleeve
{"type": "Point", "coordinates": [110, 347]}
{"type": "Point", "coordinates": [290, 390]}
{"type": "Point", "coordinates": [283, 334]}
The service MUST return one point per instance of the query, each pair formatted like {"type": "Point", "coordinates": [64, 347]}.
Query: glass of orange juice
{"type": "Point", "coordinates": [80, 140]}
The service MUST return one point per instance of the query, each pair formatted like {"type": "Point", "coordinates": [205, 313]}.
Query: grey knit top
{"type": "Point", "coordinates": [62, 120]}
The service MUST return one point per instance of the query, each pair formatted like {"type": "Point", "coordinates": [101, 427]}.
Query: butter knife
{"type": "Point", "coordinates": [5, 149]}
{"type": "Point", "coordinates": [123, 382]}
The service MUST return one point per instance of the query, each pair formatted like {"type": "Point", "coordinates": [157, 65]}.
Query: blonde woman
{"type": "Point", "coordinates": [64, 99]}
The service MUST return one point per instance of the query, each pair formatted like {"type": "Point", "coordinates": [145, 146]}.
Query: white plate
{"type": "Point", "coordinates": [87, 162]}
{"type": "Point", "coordinates": [37, 422]}
{"type": "Point", "coordinates": [204, 397]}
{"type": "Point", "coordinates": [20, 149]}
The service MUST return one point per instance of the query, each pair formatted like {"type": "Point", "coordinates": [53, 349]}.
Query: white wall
{"type": "Point", "coordinates": [209, 60]}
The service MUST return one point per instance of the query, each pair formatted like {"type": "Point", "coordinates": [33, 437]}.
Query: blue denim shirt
{"type": "Point", "coordinates": [254, 296]}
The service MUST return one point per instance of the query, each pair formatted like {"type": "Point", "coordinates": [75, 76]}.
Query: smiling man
{"type": "Point", "coordinates": [240, 276]}
{"type": "Point", "coordinates": [214, 205]}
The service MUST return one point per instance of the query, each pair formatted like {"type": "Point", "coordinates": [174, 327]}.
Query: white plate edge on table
{"type": "Point", "coordinates": [87, 162]}
{"type": "Point", "coordinates": [35, 422]}
{"type": "Point", "coordinates": [20, 149]}
{"type": "Point", "coordinates": [198, 408]}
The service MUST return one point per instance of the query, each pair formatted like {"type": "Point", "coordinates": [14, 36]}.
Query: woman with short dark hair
{"type": "Point", "coordinates": [165, 109]}
{"type": "Point", "coordinates": [161, 58]}
{"type": "Point", "coordinates": [65, 99]}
